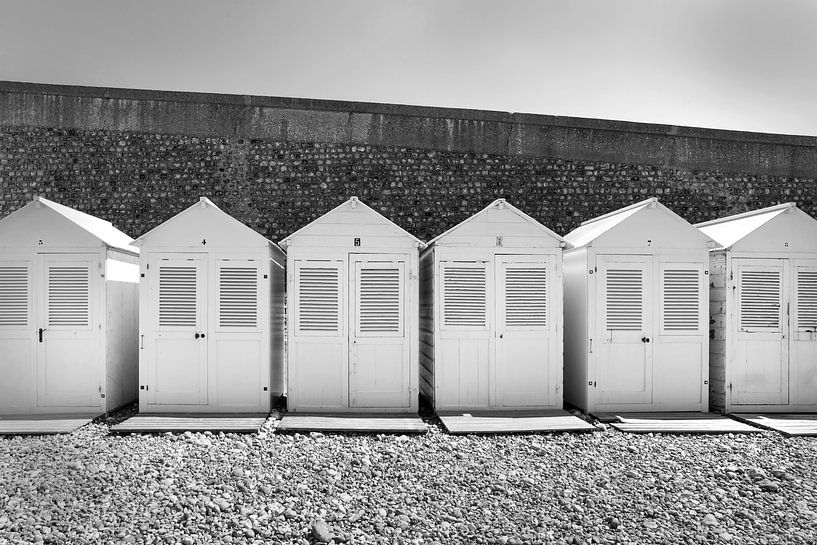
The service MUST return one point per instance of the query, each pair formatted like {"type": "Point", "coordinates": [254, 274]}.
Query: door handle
{"type": "Point", "coordinates": [197, 335]}
{"type": "Point", "coordinates": [645, 339]}
{"type": "Point", "coordinates": [501, 335]}
{"type": "Point", "coordinates": [41, 334]}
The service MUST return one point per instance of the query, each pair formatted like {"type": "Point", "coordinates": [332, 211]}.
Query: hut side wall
{"type": "Point", "coordinates": [278, 281]}
{"type": "Point", "coordinates": [717, 331]}
{"type": "Point", "coordinates": [427, 340]}
{"type": "Point", "coordinates": [575, 327]}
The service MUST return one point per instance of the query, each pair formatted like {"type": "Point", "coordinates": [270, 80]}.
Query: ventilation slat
{"type": "Point", "coordinates": [807, 301]}
{"type": "Point", "coordinates": [177, 296]}
{"type": "Point", "coordinates": [526, 297]}
{"type": "Point", "coordinates": [760, 300]}
{"type": "Point", "coordinates": [318, 302]}
{"type": "Point", "coordinates": [682, 299]}
{"type": "Point", "coordinates": [69, 296]}
{"type": "Point", "coordinates": [238, 297]}
{"type": "Point", "coordinates": [379, 300]}
{"type": "Point", "coordinates": [464, 295]}
{"type": "Point", "coordinates": [625, 300]}
{"type": "Point", "coordinates": [14, 290]}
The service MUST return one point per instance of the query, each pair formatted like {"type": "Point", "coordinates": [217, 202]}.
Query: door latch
{"type": "Point", "coordinates": [645, 339]}
{"type": "Point", "coordinates": [41, 334]}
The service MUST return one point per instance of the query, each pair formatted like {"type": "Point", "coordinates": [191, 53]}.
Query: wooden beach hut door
{"type": "Point", "coordinates": [804, 333]}
{"type": "Point", "coordinates": [177, 372]}
{"type": "Point", "coordinates": [379, 349]}
{"type": "Point", "coordinates": [625, 329]}
{"type": "Point", "coordinates": [68, 332]}
{"type": "Point", "coordinates": [523, 374]}
{"type": "Point", "coordinates": [17, 340]}
{"type": "Point", "coordinates": [761, 373]}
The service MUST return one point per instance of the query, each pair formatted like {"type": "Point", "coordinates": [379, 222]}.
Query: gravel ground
{"type": "Point", "coordinates": [604, 487]}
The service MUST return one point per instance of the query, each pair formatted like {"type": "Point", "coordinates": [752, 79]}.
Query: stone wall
{"type": "Point", "coordinates": [138, 157]}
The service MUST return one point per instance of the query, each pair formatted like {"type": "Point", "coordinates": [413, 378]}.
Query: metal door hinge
{"type": "Point", "coordinates": [592, 383]}
{"type": "Point", "coordinates": [730, 386]}
{"type": "Point", "coordinates": [266, 388]}
{"type": "Point", "coordinates": [591, 346]}
{"type": "Point", "coordinates": [144, 387]}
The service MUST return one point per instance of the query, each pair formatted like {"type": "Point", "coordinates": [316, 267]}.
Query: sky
{"type": "Point", "coordinates": [730, 64]}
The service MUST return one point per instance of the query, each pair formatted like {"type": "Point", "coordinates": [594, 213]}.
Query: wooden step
{"type": "Point", "coordinates": [144, 423]}
{"type": "Point", "coordinates": [511, 422]}
{"type": "Point", "coordinates": [42, 425]}
{"type": "Point", "coordinates": [789, 424]}
{"type": "Point", "coordinates": [675, 422]}
{"type": "Point", "coordinates": [353, 423]}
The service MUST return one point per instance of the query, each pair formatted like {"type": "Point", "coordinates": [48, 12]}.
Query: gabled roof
{"type": "Point", "coordinates": [729, 230]}
{"type": "Point", "coordinates": [354, 203]}
{"type": "Point", "coordinates": [592, 229]}
{"type": "Point", "coordinates": [206, 203]}
{"type": "Point", "coordinates": [500, 203]}
{"type": "Point", "coordinates": [102, 230]}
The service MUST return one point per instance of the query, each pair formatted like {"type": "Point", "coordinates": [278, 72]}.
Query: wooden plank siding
{"type": "Point", "coordinates": [427, 325]}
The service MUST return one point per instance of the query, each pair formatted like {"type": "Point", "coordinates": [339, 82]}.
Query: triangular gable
{"type": "Point", "coordinates": [729, 230]}
{"type": "Point", "coordinates": [98, 229]}
{"type": "Point", "coordinates": [218, 227]}
{"type": "Point", "coordinates": [499, 204]}
{"type": "Point", "coordinates": [604, 227]}
{"type": "Point", "coordinates": [780, 228]}
{"type": "Point", "coordinates": [352, 204]}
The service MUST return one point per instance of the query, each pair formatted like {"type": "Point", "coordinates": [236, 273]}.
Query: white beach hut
{"type": "Point", "coordinates": [352, 314]}
{"type": "Point", "coordinates": [491, 321]}
{"type": "Point", "coordinates": [763, 306]}
{"type": "Point", "coordinates": [211, 315]}
{"type": "Point", "coordinates": [68, 312]}
{"type": "Point", "coordinates": [635, 312]}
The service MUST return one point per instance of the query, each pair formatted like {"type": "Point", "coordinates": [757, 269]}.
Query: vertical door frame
{"type": "Point", "coordinates": [261, 330]}
{"type": "Point", "coordinates": [471, 258]}
{"type": "Point", "coordinates": [96, 319]}
{"type": "Point", "coordinates": [596, 321]}
{"type": "Point", "coordinates": [734, 331]}
{"type": "Point", "coordinates": [29, 331]}
{"type": "Point", "coordinates": [554, 317]}
{"type": "Point", "coordinates": [406, 317]}
{"type": "Point", "coordinates": [152, 330]}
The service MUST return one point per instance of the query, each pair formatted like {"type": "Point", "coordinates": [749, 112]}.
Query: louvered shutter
{"type": "Point", "coordinates": [318, 301]}
{"type": "Point", "coordinates": [681, 299]}
{"type": "Point", "coordinates": [807, 300]}
{"type": "Point", "coordinates": [379, 301]}
{"type": "Point", "coordinates": [238, 297]}
{"type": "Point", "coordinates": [464, 294]}
{"type": "Point", "coordinates": [69, 296]}
{"type": "Point", "coordinates": [624, 299]}
{"type": "Point", "coordinates": [760, 299]}
{"type": "Point", "coordinates": [526, 297]}
{"type": "Point", "coordinates": [178, 296]}
{"type": "Point", "coordinates": [14, 295]}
